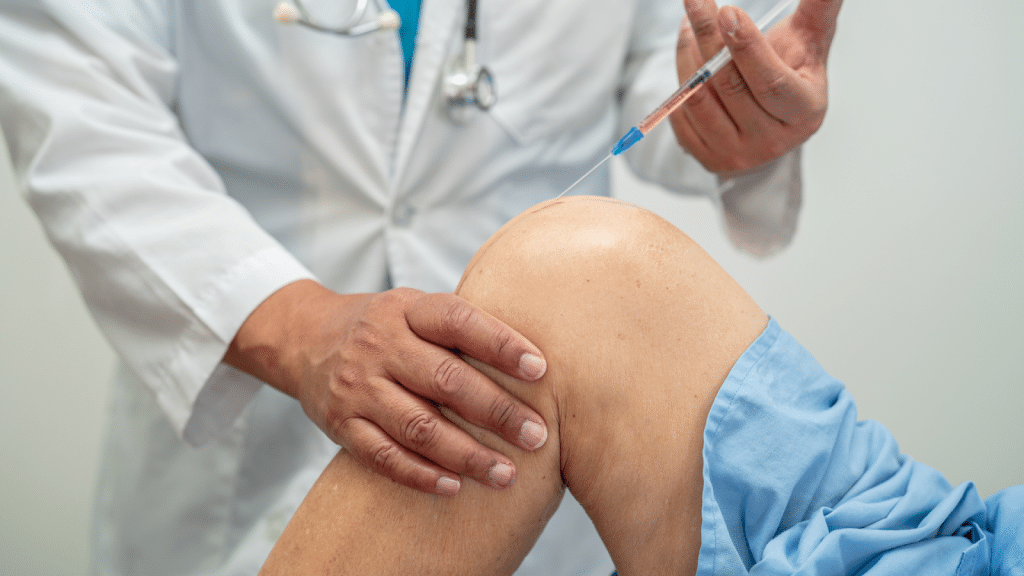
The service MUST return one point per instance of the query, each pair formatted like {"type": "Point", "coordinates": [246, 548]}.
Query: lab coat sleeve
{"type": "Point", "coordinates": [760, 207]}
{"type": "Point", "coordinates": [168, 264]}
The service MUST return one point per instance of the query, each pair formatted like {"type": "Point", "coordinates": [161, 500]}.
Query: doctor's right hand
{"type": "Point", "coordinates": [371, 370]}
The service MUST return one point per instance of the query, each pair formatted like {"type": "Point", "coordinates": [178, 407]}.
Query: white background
{"type": "Point", "coordinates": [905, 278]}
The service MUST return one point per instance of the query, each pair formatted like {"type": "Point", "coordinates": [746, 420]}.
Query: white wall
{"type": "Point", "coordinates": [905, 278]}
{"type": "Point", "coordinates": [54, 373]}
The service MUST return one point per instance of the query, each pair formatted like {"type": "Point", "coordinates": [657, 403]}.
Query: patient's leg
{"type": "Point", "coordinates": [640, 328]}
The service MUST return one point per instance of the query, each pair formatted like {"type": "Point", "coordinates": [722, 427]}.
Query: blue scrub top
{"type": "Point", "coordinates": [409, 12]}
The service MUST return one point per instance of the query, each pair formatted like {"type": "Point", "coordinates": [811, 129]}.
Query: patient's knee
{"type": "Point", "coordinates": [591, 260]}
{"type": "Point", "coordinates": [638, 324]}
{"type": "Point", "coordinates": [558, 248]}
{"type": "Point", "coordinates": [604, 287]}
{"type": "Point", "coordinates": [570, 231]}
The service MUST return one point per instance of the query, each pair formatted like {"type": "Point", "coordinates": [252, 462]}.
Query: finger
{"type": "Point", "coordinates": [772, 84]}
{"type": "Point", "coordinates": [710, 118]}
{"type": "Point", "coordinates": [445, 378]}
{"type": "Point", "coordinates": [818, 18]}
{"type": "Point", "coordinates": [381, 454]}
{"type": "Point", "coordinates": [688, 57]}
{"type": "Point", "coordinates": [450, 321]}
{"type": "Point", "coordinates": [688, 138]}
{"type": "Point", "coordinates": [709, 112]}
{"type": "Point", "coordinates": [421, 428]}
{"type": "Point", "coordinates": [728, 149]}
{"type": "Point", "coordinates": [702, 107]}
{"type": "Point", "coordinates": [701, 14]}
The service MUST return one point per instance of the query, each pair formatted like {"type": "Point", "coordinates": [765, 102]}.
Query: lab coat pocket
{"type": "Point", "coordinates": [557, 64]}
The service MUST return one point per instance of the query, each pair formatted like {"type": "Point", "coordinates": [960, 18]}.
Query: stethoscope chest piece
{"type": "Point", "coordinates": [466, 85]}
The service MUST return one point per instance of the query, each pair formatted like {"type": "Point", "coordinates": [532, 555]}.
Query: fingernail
{"type": "Point", "coordinates": [532, 366]}
{"type": "Point", "coordinates": [532, 435]}
{"type": "Point", "coordinates": [448, 486]}
{"type": "Point", "coordinates": [501, 474]}
{"type": "Point", "coordinates": [731, 21]}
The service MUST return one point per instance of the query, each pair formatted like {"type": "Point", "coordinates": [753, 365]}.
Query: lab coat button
{"type": "Point", "coordinates": [402, 214]}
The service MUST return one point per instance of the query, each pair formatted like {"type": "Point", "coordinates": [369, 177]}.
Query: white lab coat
{"type": "Point", "coordinates": [189, 158]}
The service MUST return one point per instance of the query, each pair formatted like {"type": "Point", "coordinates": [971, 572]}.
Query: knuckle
{"type": "Point", "coordinates": [421, 431]}
{"type": "Point", "coordinates": [403, 294]}
{"type": "Point", "coordinates": [335, 424]}
{"type": "Point", "coordinates": [383, 458]}
{"type": "Point", "coordinates": [363, 337]}
{"type": "Point", "coordinates": [348, 377]}
{"type": "Point", "coordinates": [774, 89]}
{"type": "Point", "coordinates": [503, 340]}
{"type": "Point", "coordinates": [333, 418]}
{"type": "Point", "coordinates": [703, 27]}
{"type": "Point", "coordinates": [476, 461]}
{"type": "Point", "coordinates": [502, 411]}
{"type": "Point", "coordinates": [456, 317]}
{"type": "Point", "coordinates": [685, 41]}
{"type": "Point", "coordinates": [732, 84]}
{"type": "Point", "coordinates": [698, 99]}
{"type": "Point", "coordinates": [424, 299]}
{"type": "Point", "coordinates": [450, 377]}
{"type": "Point", "coordinates": [379, 302]}
{"type": "Point", "coordinates": [396, 300]}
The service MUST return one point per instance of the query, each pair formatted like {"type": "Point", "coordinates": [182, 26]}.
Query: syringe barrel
{"type": "Point", "coordinates": [674, 101]}
{"type": "Point", "coordinates": [704, 73]}
{"type": "Point", "coordinates": [701, 76]}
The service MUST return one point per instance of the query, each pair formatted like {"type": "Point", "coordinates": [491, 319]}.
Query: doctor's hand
{"type": "Point", "coordinates": [772, 96]}
{"type": "Point", "coordinates": [371, 370]}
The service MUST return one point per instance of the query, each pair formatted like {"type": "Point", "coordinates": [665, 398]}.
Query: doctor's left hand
{"type": "Point", "coordinates": [370, 370]}
{"type": "Point", "coordinates": [772, 96]}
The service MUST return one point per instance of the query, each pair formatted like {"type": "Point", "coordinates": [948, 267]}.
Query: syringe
{"type": "Point", "coordinates": [699, 78]}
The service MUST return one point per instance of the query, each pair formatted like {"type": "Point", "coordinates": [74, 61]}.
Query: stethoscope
{"type": "Point", "coordinates": [465, 84]}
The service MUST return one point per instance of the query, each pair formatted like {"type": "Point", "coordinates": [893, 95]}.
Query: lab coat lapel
{"type": "Point", "coordinates": [440, 22]}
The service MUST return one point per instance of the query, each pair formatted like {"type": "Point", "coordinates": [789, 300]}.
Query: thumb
{"type": "Point", "coordinates": [818, 19]}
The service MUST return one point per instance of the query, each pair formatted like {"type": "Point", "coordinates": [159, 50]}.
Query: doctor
{"type": "Point", "coordinates": [265, 220]}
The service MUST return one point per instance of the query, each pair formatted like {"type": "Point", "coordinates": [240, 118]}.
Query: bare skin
{"type": "Point", "coordinates": [640, 328]}
{"type": "Point", "coordinates": [369, 368]}
{"type": "Point", "coordinates": [770, 99]}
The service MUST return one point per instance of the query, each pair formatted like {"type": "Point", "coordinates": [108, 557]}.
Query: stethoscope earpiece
{"type": "Point", "coordinates": [286, 13]}
{"type": "Point", "coordinates": [389, 20]}
{"type": "Point", "coordinates": [294, 12]}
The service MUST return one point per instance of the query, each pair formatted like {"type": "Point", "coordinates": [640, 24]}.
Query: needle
{"type": "Point", "coordinates": [589, 172]}
{"type": "Point", "coordinates": [699, 78]}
